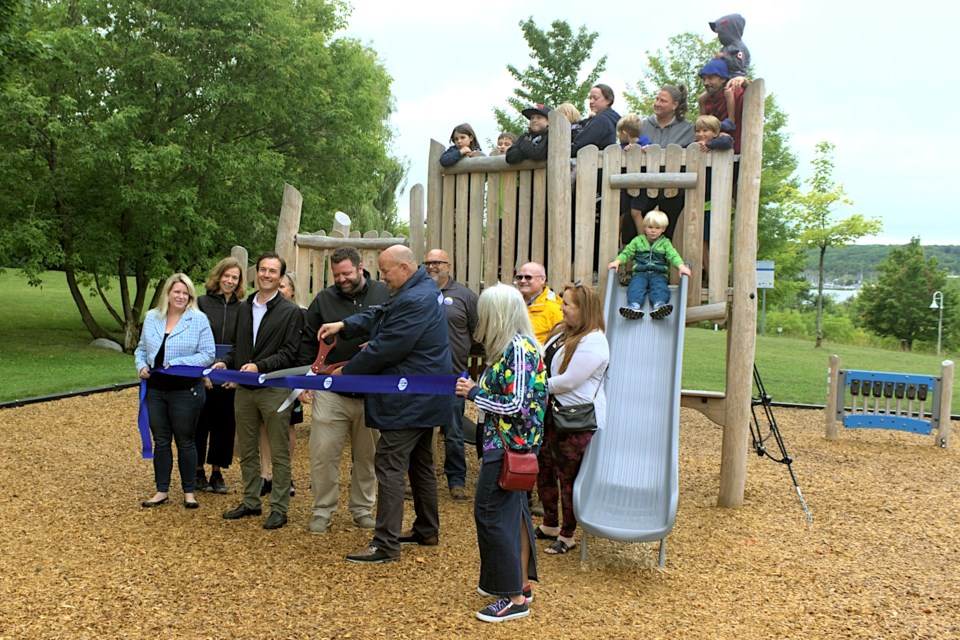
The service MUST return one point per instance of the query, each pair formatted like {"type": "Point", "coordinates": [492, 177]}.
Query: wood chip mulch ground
{"type": "Point", "coordinates": [79, 557]}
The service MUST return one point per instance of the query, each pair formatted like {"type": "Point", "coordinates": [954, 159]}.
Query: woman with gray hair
{"type": "Point", "coordinates": [175, 333]}
{"type": "Point", "coordinates": [511, 397]}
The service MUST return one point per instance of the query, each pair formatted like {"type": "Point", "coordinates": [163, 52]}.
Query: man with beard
{"type": "Point", "coordinates": [338, 415]}
{"type": "Point", "coordinates": [723, 98]}
{"type": "Point", "coordinates": [460, 305]}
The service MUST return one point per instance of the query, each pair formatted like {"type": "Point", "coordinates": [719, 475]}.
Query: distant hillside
{"type": "Point", "coordinates": [844, 265]}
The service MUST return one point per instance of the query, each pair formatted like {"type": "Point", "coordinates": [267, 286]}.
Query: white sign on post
{"type": "Point", "coordinates": [764, 274]}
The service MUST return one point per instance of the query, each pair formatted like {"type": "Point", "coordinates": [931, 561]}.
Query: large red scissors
{"type": "Point", "coordinates": [320, 367]}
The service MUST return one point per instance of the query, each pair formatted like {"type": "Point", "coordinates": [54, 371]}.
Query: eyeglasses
{"type": "Point", "coordinates": [435, 263]}
{"type": "Point", "coordinates": [520, 277]}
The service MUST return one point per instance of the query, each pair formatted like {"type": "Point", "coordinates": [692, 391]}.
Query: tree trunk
{"type": "Point", "coordinates": [88, 321]}
{"type": "Point", "coordinates": [62, 210]}
{"type": "Point", "coordinates": [823, 251]}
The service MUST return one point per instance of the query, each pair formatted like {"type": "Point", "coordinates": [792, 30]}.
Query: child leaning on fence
{"type": "Point", "coordinates": [653, 255]}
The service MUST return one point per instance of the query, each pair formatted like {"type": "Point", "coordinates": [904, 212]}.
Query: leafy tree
{"type": "Point", "coordinates": [381, 213]}
{"type": "Point", "coordinates": [150, 138]}
{"type": "Point", "coordinates": [16, 48]}
{"type": "Point", "coordinates": [813, 214]}
{"type": "Point", "coordinates": [559, 55]}
{"type": "Point", "coordinates": [685, 55]}
{"type": "Point", "coordinates": [679, 63]}
{"type": "Point", "coordinates": [859, 262]}
{"type": "Point", "coordinates": [898, 303]}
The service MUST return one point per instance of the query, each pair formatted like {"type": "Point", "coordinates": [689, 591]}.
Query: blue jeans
{"type": "Point", "coordinates": [455, 460]}
{"type": "Point", "coordinates": [173, 418]}
{"type": "Point", "coordinates": [652, 285]}
{"type": "Point", "coordinates": [499, 515]}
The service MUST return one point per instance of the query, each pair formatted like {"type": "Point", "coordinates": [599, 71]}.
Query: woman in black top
{"type": "Point", "coordinates": [226, 287]}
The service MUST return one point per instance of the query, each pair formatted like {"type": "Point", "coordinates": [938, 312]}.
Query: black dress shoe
{"type": "Point", "coordinates": [412, 537]}
{"type": "Point", "coordinates": [266, 486]}
{"type": "Point", "coordinates": [146, 504]}
{"type": "Point", "coordinates": [191, 505]}
{"type": "Point", "coordinates": [242, 511]}
{"type": "Point", "coordinates": [275, 520]}
{"type": "Point", "coordinates": [372, 555]}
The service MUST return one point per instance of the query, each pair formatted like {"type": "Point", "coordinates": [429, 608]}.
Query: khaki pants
{"type": "Point", "coordinates": [334, 418]}
{"type": "Point", "coordinates": [250, 408]}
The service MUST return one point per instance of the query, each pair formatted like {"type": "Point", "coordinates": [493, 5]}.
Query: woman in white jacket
{"type": "Point", "coordinates": [175, 333]}
{"type": "Point", "coordinates": [576, 355]}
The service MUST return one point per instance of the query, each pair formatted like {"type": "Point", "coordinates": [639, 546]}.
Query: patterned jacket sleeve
{"type": "Point", "coordinates": [510, 398]}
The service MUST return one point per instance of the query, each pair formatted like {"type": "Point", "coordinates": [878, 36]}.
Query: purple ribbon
{"type": "Point", "coordinates": [414, 384]}
{"type": "Point", "coordinates": [143, 423]}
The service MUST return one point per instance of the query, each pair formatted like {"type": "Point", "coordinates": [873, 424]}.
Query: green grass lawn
{"type": "Point", "coordinates": [793, 370]}
{"type": "Point", "coordinates": [44, 344]}
{"type": "Point", "coordinates": [44, 350]}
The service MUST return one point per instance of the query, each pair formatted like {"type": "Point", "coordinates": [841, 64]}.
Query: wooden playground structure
{"type": "Point", "coordinates": [492, 217]}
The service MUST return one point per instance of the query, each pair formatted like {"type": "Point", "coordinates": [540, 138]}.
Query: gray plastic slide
{"type": "Point", "coordinates": [626, 489]}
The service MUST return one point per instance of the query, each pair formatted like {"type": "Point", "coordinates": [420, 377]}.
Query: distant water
{"type": "Point", "coordinates": [839, 295]}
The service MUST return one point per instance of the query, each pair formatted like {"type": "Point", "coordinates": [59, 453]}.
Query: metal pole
{"type": "Point", "coordinates": [940, 325]}
{"type": "Point", "coordinates": [938, 304]}
{"type": "Point", "coordinates": [763, 313]}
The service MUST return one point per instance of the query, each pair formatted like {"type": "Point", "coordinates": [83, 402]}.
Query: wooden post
{"type": "Point", "coordinates": [289, 225]}
{"type": "Point", "coordinates": [559, 254]}
{"type": "Point", "coordinates": [508, 228]}
{"type": "Point", "coordinates": [721, 208]}
{"type": "Point", "coordinates": [472, 276]}
{"type": "Point", "coordinates": [417, 231]}
{"type": "Point", "coordinates": [341, 223]}
{"type": "Point", "coordinates": [240, 253]}
{"type": "Point", "coordinates": [588, 162]}
{"type": "Point", "coordinates": [434, 196]}
{"type": "Point", "coordinates": [609, 214]}
{"type": "Point", "coordinates": [491, 232]}
{"type": "Point", "coordinates": [538, 221]}
{"type": "Point", "coordinates": [832, 379]}
{"type": "Point", "coordinates": [742, 332]}
{"type": "Point", "coordinates": [946, 393]}
{"type": "Point", "coordinates": [460, 229]}
{"type": "Point", "coordinates": [692, 230]}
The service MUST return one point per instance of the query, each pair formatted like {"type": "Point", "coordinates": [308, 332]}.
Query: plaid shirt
{"type": "Point", "coordinates": [190, 342]}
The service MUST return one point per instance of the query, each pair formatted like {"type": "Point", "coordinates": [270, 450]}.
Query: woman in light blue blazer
{"type": "Point", "coordinates": [175, 333]}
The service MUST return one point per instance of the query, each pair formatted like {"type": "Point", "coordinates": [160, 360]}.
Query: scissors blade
{"type": "Point", "coordinates": [293, 395]}
{"type": "Point", "coordinates": [282, 373]}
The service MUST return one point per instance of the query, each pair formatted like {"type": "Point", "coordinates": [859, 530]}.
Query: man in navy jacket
{"type": "Point", "coordinates": [408, 336]}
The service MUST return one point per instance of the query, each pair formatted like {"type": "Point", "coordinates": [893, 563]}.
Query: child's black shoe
{"type": "Point", "coordinates": [631, 311]}
{"type": "Point", "coordinates": [661, 311]}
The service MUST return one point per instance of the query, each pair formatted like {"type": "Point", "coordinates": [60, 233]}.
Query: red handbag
{"type": "Point", "coordinates": [519, 469]}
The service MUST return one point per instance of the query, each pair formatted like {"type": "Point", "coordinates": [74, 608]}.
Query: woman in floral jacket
{"type": "Point", "coordinates": [511, 398]}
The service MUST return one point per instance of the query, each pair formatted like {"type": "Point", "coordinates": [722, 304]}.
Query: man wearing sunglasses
{"type": "Point", "coordinates": [543, 305]}
{"type": "Point", "coordinates": [460, 305]}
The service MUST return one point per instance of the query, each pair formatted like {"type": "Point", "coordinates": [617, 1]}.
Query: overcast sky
{"type": "Point", "coordinates": [872, 78]}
